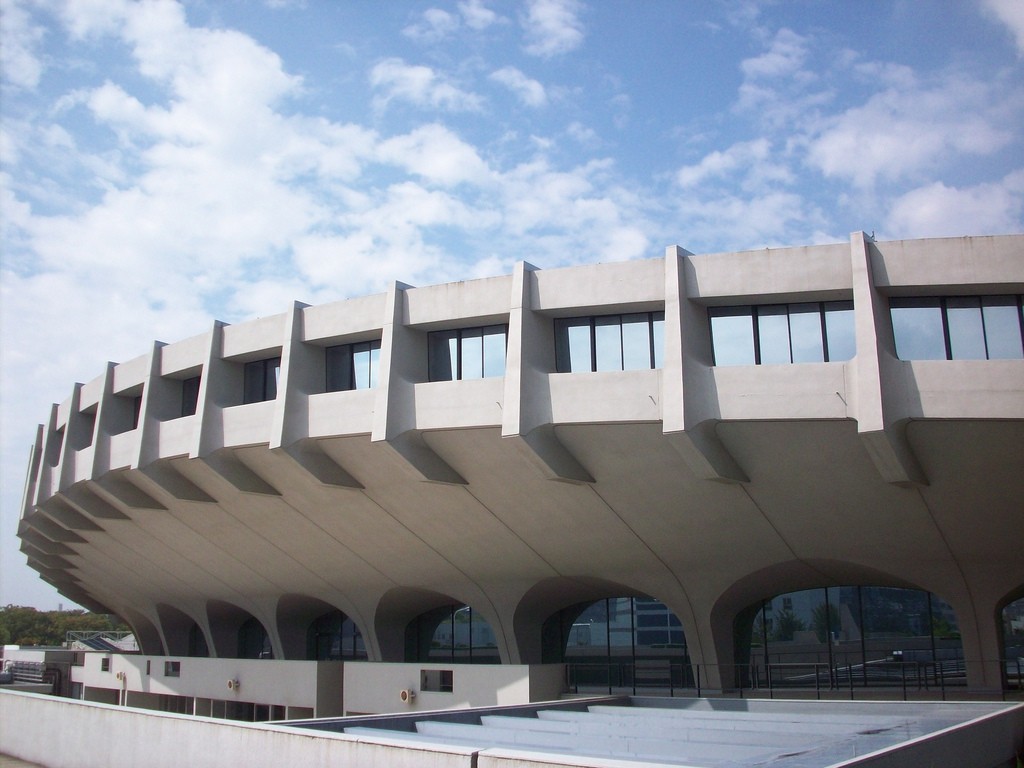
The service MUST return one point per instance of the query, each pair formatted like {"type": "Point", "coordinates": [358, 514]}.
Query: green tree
{"type": "Point", "coordinates": [22, 625]}
{"type": "Point", "coordinates": [824, 621]}
{"type": "Point", "coordinates": [785, 625]}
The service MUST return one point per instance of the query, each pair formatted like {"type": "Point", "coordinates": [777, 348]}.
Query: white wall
{"type": "Point", "coordinates": [373, 688]}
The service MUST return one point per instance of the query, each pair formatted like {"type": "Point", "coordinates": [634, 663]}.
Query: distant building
{"type": "Point", "coordinates": [600, 464]}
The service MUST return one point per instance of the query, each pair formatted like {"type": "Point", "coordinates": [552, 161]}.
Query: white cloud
{"type": "Point", "coordinates": [900, 132]}
{"type": "Point", "coordinates": [435, 154]}
{"type": "Point", "coordinates": [529, 91]}
{"type": "Point", "coordinates": [1011, 14]}
{"type": "Point", "coordinates": [477, 15]}
{"type": "Point", "coordinates": [19, 37]}
{"type": "Point", "coordinates": [785, 57]}
{"type": "Point", "coordinates": [552, 27]}
{"type": "Point", "coordinates": [419, 85]}
{"type": "Point", "coordinates": [938, 210]}
{"type": "Point", "coordinates": [718, 164]}
{"type": "Point", "coordinates": [435, 25]}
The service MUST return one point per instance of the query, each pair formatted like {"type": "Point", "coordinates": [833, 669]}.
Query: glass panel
{"type": "Point", "coordinates": [374, 363]}
{"type": "Point", "coordinates": [917, 329]}
{"type": "Point", "coordinates": [272, 372]}
{"type": "Point", "coordinates": [732, 335]}
{"type": "Point", "coordinates": [805, 333]}
{"type": "Point", "coordinates": [253, 385]}
{"type": "Point", "coordinates": [636, 342]}
{"type": "Point", "coordinates": [1002, 328]}
{"type": "Point", "coordinates": [494, 350]}
{"type": "Point", "coordinates": [658, 330]}
{"type": "Point", "coordinates": [442, 355]}
{"type": "Point", "coordinates": [338, 361]}
{"type": "Point", "coordinates": [472, 354]}
{"type": "Point", "coordinates": [839, 331]}
{"type": "Point", "coordinates": [608, 343]}
{"type": "Point", "coordinates": [966, 335]}
{"type": "Point", "coordinates": [895, 621]}
{"type": "Point", "coordinates": [361, 366]}
{"type": "Point", "coordinates": [190, 395]}
{"type": "Point", "coordinates": [580, 352]}
{"type": "Point", "coordinates": [773, 334]}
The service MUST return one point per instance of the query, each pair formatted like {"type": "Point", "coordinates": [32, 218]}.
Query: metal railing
{"type": "Point", "coordinates": [765, 679]}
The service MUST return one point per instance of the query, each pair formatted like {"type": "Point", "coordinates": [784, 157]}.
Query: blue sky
{"type": "Point", "coordinates": [166, 164]}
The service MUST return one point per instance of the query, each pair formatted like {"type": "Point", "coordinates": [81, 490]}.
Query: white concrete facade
{"type": "Point", "coordinates": [709, 488]}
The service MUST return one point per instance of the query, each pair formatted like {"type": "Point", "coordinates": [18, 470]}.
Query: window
{"type": "Point", "coordinates": [172, 669]}
{"type": "Point", "coordinates": [105, 664]}
{"type": "Point", "coordinates": [958, 328]}
{"type": "Point", "coordinates": [610, 342]}
{"type": "Point", "coordinates": [260, 382]}
{"type": "Point", "coordinates": [190, 396]}
{"type": "Point", "coordinates": [437, 680]}
{"type": "Point", "coordinates": [352, 366]}
{"type": "Point", "coordinates": [467, 353]}
{"type": "Point", "coordinates": [771, 334]}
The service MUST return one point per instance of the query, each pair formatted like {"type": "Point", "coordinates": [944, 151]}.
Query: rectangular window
{"type": "Point", "coordinates": [172, 669]}
{"type": "Point", "coordinates": [610, 342]}
{"type": "Point", "coordinates": [437, 680]}
{"type": "Point", "coordinates": [352, 366]}
{"type": "Point", "coordinates": [105, 664]}
{"type": "Point", "coordinates": [190, 395]}
{"type": "Point", "coordinates": [773, 334]}
{"type": "Point", "coordinates": [958, 328]}
{"type": "Point", "coordinates": [467, 353]}
{"type": "Point", "coordinates": [260, 380]}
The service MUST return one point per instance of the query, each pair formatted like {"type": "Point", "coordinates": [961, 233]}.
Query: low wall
{"type": "Point", "coordinates": [62, 733]}
{"type": "Point", "coordinates": [375, 687]}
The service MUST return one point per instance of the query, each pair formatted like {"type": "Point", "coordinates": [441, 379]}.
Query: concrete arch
{"type": "Point", "coordinates": [401, 605]}
{"type": "Point", "coordinates": [177, 626]}
{"type": "Point", "coordinates": [295, 613]}
{"type": "Point", "coordinates": [147, 634]}
{"type": "Point", "coordinates": [225, 621]}
{"type": "Point", "coordinates": [733, 612]}
{"type": "Point", "coordinates": [552, 595]}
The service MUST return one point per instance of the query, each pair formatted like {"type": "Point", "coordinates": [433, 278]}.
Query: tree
{"type": "Point", "coordinates": [785, 625]}
{"type": "Point", "coordinates": [22, 625]}
{"type": "Point", "coordinates": [824, 621]}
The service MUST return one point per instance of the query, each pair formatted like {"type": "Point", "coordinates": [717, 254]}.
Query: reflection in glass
{"type": "Point", "coordinates": [472, 354]}
{"type": "Point", "coordinates": [805, 333]}
{"type": "Point", "coordinates": [494, 351]}
{"type": "Point", "coordinates": [451, 634]}
{"type": "Point", "coordinates": [636, 342]}
{"type": "Point", "coordinates": [732, 335]}
{"type": "Point", "coordinates": [917, 329]}
{"type": "Point", "coordinates": [1002, 328]}
{"type": "Point", "coordinates": [609, 342]}
{"type": "Point", "coordinates": [442, 352]}
{"type": "Point", "coordinates": [839, 330]}
{"type": "Point", "coordinates": [966, 332]}
{"type": "Point", "coordinates": [773, 334]}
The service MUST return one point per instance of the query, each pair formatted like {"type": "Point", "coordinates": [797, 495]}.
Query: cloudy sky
{"type": "Point", "coordinates": [166, 164]}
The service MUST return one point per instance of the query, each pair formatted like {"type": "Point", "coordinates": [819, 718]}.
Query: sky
{"type": "Point", "coordinates": [167, 164]}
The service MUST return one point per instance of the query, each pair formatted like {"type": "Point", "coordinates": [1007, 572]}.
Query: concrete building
{"type": "Point", "coordinates": [455, 472]}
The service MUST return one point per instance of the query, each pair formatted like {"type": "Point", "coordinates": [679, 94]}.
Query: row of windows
{"type": "Point", "coordinates": [958, 328]}
{"type": "Point", "coordinates": [815, 332]}
{"type": "Point", "coordinates": [610, 342]}
{"type": "Point", "coordinates": [936, 328]}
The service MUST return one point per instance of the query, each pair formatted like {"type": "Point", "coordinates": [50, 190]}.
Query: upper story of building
{"type": "Point", "coordinates": [875, 332]}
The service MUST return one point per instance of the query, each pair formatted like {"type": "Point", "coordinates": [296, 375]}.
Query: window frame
{"type": "Point", "coordinates": [943, 302]}
{"type": "Point", "coordinates": [267, 367]}
{"type": "Point", "coordinates": [563, 346]}
{"type": "Point", "coordinates": [756, 311]}
{"type": "Point", "coordinates": [347, 360]}
{"type": "Point", "coordinates": [458, 335]}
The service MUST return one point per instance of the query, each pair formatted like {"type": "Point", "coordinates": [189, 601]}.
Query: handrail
{"type": "Point", "coordinates": [741, 679]}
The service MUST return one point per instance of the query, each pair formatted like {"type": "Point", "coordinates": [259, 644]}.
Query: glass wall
{"type": "Point", "coordinates": [958, 328]}
{"type": "Point", "coordinates": [771, 334]}
{"type": "Point", "coordinates": [610, 342]}
{"type": "Point", "coordinates": [853, 635]}
{"type": "Point", "coordinates": [451, 634]}
{"type": "Point", "coordinates": [1013, 643]}
{"type": "Point", "coordinates": [260, 380]}
{"type": "Point", "coordinates": [253, 641]}
{"type": "Point", "coordinates": [334, 637]}
{"type": "Point", "coordinates": [352, 366]}
{"type": "Point", "coordinates": [197, 646]}
{"type": "Point", "coordinates": [618, 641]}
{"type": "Point", "coordinates": [467, 353]}
{"type": "Point", "coordinates": [190, 395]}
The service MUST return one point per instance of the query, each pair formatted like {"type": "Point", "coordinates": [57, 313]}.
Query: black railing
{"type": "Point", "coordinates": [765, 679]}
